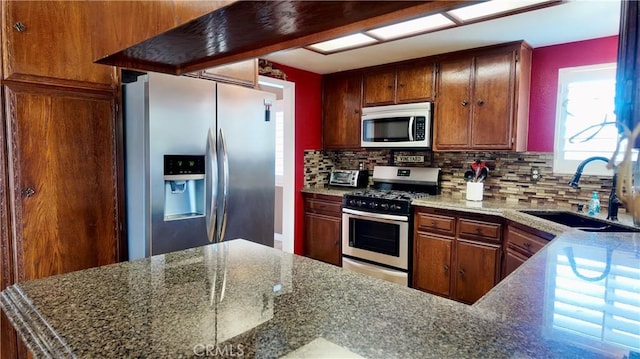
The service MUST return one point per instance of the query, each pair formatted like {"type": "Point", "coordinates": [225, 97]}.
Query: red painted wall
{"type": "Point", "coordinates": [308, 133]}
{"type": "Point", "coordinates": [544, 82]}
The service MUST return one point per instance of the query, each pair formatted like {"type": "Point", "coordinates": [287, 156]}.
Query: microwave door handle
{"type": "Point", "coordinates": [411, 120]}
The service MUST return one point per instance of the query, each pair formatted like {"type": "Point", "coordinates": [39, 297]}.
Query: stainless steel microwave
{"type": "Point", "coordinates": [397, 126]}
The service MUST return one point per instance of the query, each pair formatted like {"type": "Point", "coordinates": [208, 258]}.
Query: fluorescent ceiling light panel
{"type": "Point", "coordinates": [343, 43]}
{"type": "Point", "coordinates": [489, 8]}
{"type": "Point", "coordinates": [411, 27]}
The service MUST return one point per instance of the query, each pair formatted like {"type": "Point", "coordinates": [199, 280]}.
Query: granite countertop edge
{"type": "Point", "coordinates": [505, 209]}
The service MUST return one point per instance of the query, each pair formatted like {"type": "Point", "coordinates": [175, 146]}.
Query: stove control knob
{"type": "Point", "coordinates": [352, 202]}
{"type": "Point", "coordinates": [372, 204]}
{"type": "Point", "coordinates": [395, 207]}
{"type": "Point", "coordinates": [384, 206]}
{"type": "Point", "coordinates": [359, 203]}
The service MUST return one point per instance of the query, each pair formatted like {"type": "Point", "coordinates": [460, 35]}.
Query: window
{"type": "Point", "coordinates": [585, 121]}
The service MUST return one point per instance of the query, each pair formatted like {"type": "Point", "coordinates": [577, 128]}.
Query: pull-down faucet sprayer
{"type": "Point", "coordinates": [614, 202]}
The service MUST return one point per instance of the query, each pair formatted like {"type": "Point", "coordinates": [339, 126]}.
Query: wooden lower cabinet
{"type": "Point", "coordinates": [456, 255]}
{"type": "Point", "coordinates": [520, 244]}
{"type": "Point", "coordinates": [512, 260]}
{"type": "Point", "coordinates": [477, 270]}
{"type": "Point", "coordinates": [433, 257]}
{"type": "Point", "coordinates": [323, 228]}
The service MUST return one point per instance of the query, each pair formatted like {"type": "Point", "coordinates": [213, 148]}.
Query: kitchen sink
{"type": "Point", "coordinates": [580, 222]}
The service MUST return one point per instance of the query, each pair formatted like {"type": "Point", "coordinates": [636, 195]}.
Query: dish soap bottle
{"type": "Point", "coordinates": [594, 206]}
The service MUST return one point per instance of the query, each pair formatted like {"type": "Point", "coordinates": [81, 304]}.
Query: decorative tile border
{"type": "Point", "coordinates": [510, 179]}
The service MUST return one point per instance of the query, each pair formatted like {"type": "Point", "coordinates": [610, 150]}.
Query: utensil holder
{"type": "Point", "coordinates": [475, 191]}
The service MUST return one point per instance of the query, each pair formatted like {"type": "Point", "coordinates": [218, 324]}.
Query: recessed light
{"type": "Point", "coordinates": [491, 7]}
{"type": "Point", "coordinates": [411, 27]}
{"type": "Point", "coordinates": [343, 43]}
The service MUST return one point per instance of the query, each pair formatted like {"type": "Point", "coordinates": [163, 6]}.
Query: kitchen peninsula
{"type": "Point", "coordinates": [243, 299]}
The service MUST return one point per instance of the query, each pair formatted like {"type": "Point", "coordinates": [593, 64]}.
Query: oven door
{"type": "Point", "coordinates": [380, 238]}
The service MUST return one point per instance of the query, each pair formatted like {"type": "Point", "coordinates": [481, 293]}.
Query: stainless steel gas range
{"type": "Point", "coordinates": [377, 223]}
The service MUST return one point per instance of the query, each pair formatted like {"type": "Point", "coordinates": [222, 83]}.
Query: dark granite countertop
{"type": "Point", "coordinates": [509, 210]}
{"type": "Point", "coordinates": [243, 299]}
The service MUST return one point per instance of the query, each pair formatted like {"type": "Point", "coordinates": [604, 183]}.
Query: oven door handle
{"type": "Point", "coordinates": [390, 217]}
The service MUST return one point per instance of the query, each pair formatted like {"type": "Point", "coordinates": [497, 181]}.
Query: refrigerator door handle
{"type": "Point", "coordinates": [222, 218]}
{"type": "Point", "coordinates": [211, 170]}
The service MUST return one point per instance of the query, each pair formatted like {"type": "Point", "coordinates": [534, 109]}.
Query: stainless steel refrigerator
{"type": "Point", "coordinates": [173, 122]}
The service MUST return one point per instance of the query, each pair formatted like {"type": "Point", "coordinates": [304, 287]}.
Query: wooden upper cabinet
{"type": "Point", "coordinates": [118, 25]}
{"type": "Point", "coordinates": [415, 82]}
{"type": "Point", "coordinates": [452, 128]}
{"type": "Point", "coordinates": [492, 101]}
{"type": "Point", "coordinates": [342, 96]}
{"type": "Point", "coordinates": [402, 84]}
{"type": "Point", "coordinates": [244, 73]}
{"type": "Point", "coordinates": [380, 87]}
{"type": "Point", "coordinates": [50, 42]}
{"type": "Point", "coordinates": [483, 100]}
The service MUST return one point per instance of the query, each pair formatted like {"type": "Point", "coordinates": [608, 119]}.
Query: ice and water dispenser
{"type": "Point", "coordinates": [184, 187]}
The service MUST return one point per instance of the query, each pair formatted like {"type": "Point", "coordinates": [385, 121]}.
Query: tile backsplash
{"type": "Point", "coordinates": [509, 175]}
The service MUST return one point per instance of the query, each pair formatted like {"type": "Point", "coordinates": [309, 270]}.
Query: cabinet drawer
{"type": "Point", "coordinates": [526, 242]}
{"type": "Point", "coordinates": [479, 230]}
{"type": "Point", "coordinates": [320, 206]}
{"type": "Point", "coordinates": [435, 223]}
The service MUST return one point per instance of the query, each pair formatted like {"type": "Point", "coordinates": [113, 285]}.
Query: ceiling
{"type": "Point", "coordinates": [568, 22]}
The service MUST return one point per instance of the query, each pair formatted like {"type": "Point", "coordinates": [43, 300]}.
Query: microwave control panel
{"type": "Point", "coordinates": [421, 129]}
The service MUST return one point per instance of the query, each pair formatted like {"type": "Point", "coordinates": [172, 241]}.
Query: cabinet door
{"type": "Point", "coordinates": [322, 238]}
{"type": "Point", "coordinates": [415, 83]}
{"type": "Point", "coordinates": [452, 127]}
{"type": "Point", "coordinates": [54, 42]}
{"type": "Point", "coordinates": [380, 87]}
{"type": "Point", "coordinates": [512, 260]}
{"type": "Point", "coordinates": [341, 111]}
{"type": "Point", "coordinates": [432, 264]}
{"type": "Point", "coordinates": [477, 269]}
{"type": "Point", "coordinates": [493, 101]}
{"type": "Point", "coordinates": [62, 156]}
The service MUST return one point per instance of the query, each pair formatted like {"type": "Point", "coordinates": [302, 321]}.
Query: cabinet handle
{"type": "Point", "coordinates": [19, 26]}
{"type": "Point", "coordinates": [464, 103]}
{"type": "Point", "coordinates": [446, 268]}
{"type": "Point", "coordinates": [478, 230]}
{"type": "Point", "coordinates": [461, 271]}
{"type": "Point", "coordinates": [389, 86]}
{"type": "Point", "coordinates": [480, 102]}
{"type": "Point", "coordinates": [356, 111]}
{"type": "Point", "coordinates": [527, 244]}
{"type": "Point", "coordinates": [433, 223]}
{"type": "Point", "coordinates": [400, 85]}
{"type": "Point", "coordinates": [28, 192]}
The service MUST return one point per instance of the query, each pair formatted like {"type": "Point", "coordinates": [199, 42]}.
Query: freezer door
{"type": "Point", "coordinates": [250, 144]}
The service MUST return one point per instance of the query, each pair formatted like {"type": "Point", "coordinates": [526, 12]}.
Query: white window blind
{"type": "Point", "coordinates": [585, 119]}
{"type": "Point", "coordinates": [606, 310]}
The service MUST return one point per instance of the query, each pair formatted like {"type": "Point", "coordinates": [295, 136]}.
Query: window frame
{"type": "Point", "coordinates": [567, 75]}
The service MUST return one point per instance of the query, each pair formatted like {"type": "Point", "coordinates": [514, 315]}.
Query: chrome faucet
{"type": "Point", "coordinates": [614, 201]}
